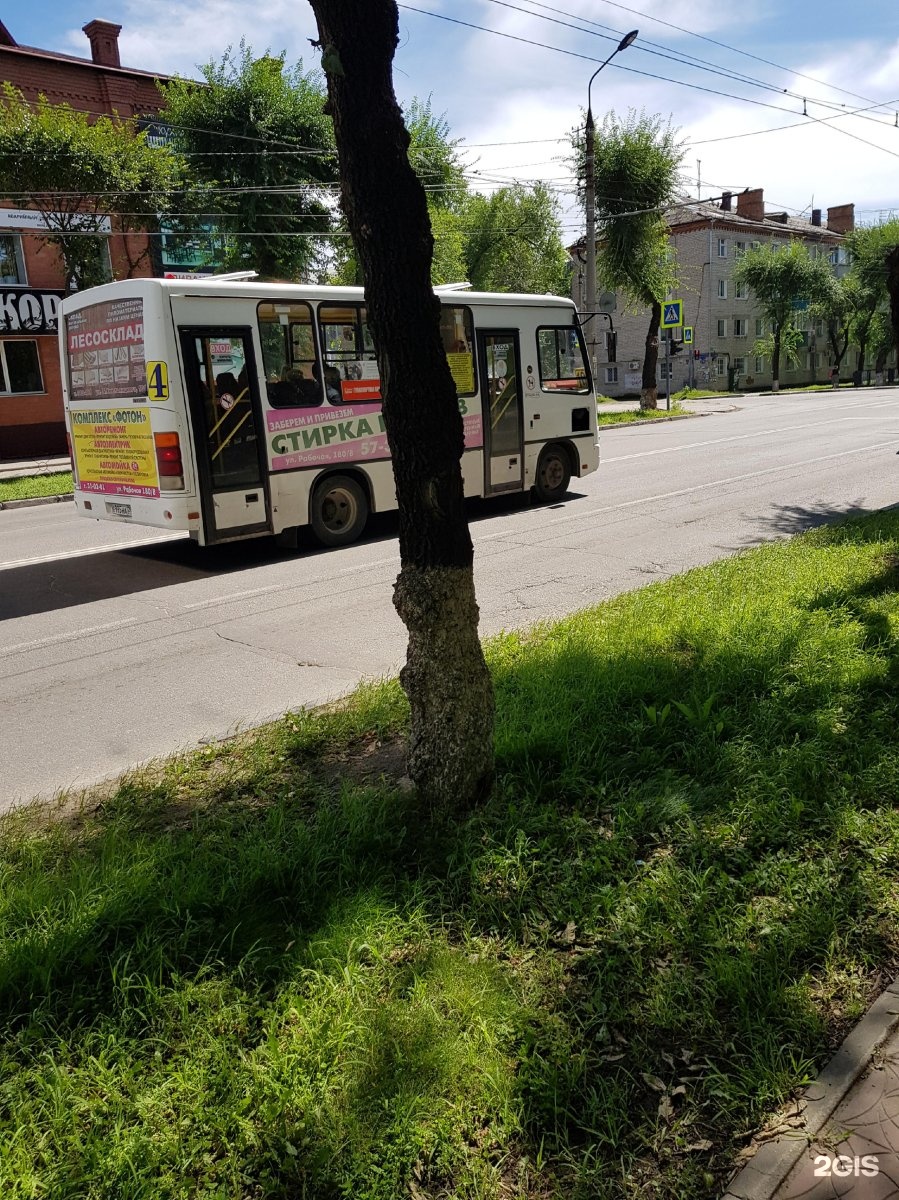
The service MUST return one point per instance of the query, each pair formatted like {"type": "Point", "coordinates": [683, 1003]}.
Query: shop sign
{"type": "Point", "coordinates": [29, 310]}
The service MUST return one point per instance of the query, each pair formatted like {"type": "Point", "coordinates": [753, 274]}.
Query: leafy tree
{"type": "Point", "coordinates": [870, 248]}
{"type": "Point", "coordinates": [80, 175]}
{"type": "Point", "coordinates": [790, 346]}
{"type": "Point", "coordinates": [434, 156]}
{"type": "Point", "coordinates": [779, 279]}
{"type": "Point", "coordinates": [637, 160]}
{"type": "Point", "coordinates": [841, 303]}
{"type": "Point", "coordinates": [445, 676]}
{"type": "Point", "coordinates": [261, 154]}
{"type": "Point", "coordinates": [513, 242]}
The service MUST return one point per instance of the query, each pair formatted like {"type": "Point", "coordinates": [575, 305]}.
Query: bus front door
{"type": "Point", "coordinates": [220, 375]}
{"type": "Point", "coordinates": [502, 410]}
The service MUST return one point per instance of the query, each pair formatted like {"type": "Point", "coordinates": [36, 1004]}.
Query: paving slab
{"type": "Point", "coordinates": [844, 1139]}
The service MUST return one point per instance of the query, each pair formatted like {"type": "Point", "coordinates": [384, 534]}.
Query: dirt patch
{"type": "Point", "coordinates": [372, 759]}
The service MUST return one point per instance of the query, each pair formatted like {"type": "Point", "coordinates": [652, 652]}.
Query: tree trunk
{"type": "Point", "coordinates": [649, 395]}
{"type": "Point", "coordinates": [775, 361]}
{"type": "Point", "coordinates": [445, 677]}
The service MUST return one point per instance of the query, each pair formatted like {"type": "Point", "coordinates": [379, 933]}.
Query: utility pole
{"type": "Point", "coordinates": [590, 196]}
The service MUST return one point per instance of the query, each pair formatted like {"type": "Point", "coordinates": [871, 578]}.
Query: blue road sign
{"type": "Point", "coordinates": [672, 314]}
{"type": "Point", "coordinates": [688, 335]}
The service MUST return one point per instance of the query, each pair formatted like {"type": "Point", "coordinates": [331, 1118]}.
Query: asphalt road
{"type": "Point", "coordinates": [120, 644]}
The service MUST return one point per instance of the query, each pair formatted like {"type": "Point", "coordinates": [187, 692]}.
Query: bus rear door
{"type": "Point", "coordinates": [223, 400]}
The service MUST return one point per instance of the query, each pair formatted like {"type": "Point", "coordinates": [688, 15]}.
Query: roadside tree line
{"type": "Point", "coordinates": [242, 169]}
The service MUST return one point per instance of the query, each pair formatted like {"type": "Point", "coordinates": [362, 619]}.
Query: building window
{"type": "Point", "coordinates": [12, 264]}
{"type": "Point", "coordinates": [759, 327]}
{"type": "Point", "coordinates": [812, 360]}
{"type": "Point", "coordinates": [756, 245]}
{"type": "Point", "coordinates": [759, 364]}
{"type": "Point", "coordinates": [20, 368]}
{"type": "Point", "coordinates": [739, 249]}
{"type": "Point", "coordinates": [722, 328]}
{"type": "Point", "coordinates": [740, 327]}
{"type": "Point", "coordinates": [740, 291]}
{"type": "Point", "coordinates": [666, 370]}
{"type": "Point", "coordinates": [720, 366]}
{"type": "Point", "coordinates": [611, 374]}
{"type": "Point", "coordinates": [722, 247]}
{"type": "Point", "coordinates": [740, 366]}
{"type": "Point", "coordinates": [722, 289]}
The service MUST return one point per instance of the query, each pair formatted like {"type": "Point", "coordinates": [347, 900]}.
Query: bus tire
{"type": "Point", "coordinates": [553, 474]}
{"type": "Point", "coordinates": [338, 510]}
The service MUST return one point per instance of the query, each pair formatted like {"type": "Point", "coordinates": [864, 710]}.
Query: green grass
{"type": "Point", "coordinates": [254, 973]}
{"type": "Point", "coordinates": [28, 487]}
{"type": "Point", "coordinates": [642, 414]}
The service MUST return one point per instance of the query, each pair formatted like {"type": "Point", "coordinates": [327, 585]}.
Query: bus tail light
{"type": "Point", "coordinates": [168, 460]}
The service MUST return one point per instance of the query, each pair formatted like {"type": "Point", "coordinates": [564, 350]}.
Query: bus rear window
{"type": "Point", "coordinates": [561, 357]}
{"type": "Point", "coordinates": [456, 330]}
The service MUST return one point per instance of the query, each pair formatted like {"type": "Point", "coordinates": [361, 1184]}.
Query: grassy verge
{"type": "Point", "coordinates": [259, 971]}
{"type": "Point", "coordinates": [29, 487]}
{"type": "Point", "coordinates": [641, 414]}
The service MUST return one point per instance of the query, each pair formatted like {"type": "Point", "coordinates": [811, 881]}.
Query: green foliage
{"type": "Point", "coordinates": [434, 156]}
{"type": "Point", "coordinates": [780, 278]}
{"type": "Point", "coordinates": [790, 344]}
{"type": "Point", "coordinates": [78, 172]}
{"type": "Point", "coordinates": [513, 242]}
{"type": "Point", "coordinates": [258, 125]}
{"type": "Point", "coordinates": [637, 160]}
{"type": "Point", "coordinates": [28, 487]}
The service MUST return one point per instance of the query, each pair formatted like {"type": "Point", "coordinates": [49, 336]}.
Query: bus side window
{"type": "Point", "coordinates": [560, 353]}
{"type": "Point", "coordinates": [289, 355]}
{"type": "Point", "coordinates": [457, 332]}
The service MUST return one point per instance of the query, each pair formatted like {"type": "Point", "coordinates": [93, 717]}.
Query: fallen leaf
{"type": "Point", "coordinates": [653, 1081]}
{"type": "Point", "coordinates": [680, 1090]}
{"type": "Point", "coordinates": [703, 1144]}
{"type": "Point", "coordinates": [668, 1059]}
{"type": "Point", "coordinates": [666, 1108]}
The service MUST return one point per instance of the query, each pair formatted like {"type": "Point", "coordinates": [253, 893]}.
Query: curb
{"type": "Point", "coordinates": [36, 500]}
{"type": "Point", "coordinates": [650, 421]}
{"type": "Point", "coordinates": [765, 1173]}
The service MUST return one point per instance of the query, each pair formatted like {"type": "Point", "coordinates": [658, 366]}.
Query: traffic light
{"type": "Point", "coordinates": [676, 347]}
{"type": "Point", "coordinates": [611, 345]}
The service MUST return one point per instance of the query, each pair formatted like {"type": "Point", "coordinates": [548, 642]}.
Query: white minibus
{"type": "Point", "coordinates": [234, 409]}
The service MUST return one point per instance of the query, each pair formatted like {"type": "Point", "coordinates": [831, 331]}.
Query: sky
{"type": "Point", "coordinates": [813, 118]}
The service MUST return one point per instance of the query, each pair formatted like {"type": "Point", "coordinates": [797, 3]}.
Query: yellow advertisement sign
{"type": "Point", "coordinates": [114, 451]}
{"type": "Point", "coordinates": [462, 367]}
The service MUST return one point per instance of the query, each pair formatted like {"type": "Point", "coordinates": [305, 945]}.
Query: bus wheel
{"type": "Point", "coordinates": [338, 510]}
{"type": "Point", "coordinates": [553, 474]}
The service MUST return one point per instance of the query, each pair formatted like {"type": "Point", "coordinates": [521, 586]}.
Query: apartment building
{"type": "Point", "coordinates": [31, 415]}
{"type": "Point", "coordinates": [707, 240]}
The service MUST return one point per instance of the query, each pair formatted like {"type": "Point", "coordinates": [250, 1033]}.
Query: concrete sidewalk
{"type": "Point", "coordinates": [841, 1137]}
{"type": "Point", "coordinates": [19, 467]}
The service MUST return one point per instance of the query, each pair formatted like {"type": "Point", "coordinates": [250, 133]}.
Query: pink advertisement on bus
{"type": "Point", "coordinates": [303, 437]}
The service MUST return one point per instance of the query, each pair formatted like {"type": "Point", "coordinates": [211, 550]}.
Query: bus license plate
{"type": "Point", "coordinates": [118, 510]}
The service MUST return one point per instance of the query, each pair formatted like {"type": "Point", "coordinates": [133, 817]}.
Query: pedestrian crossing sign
{"type": "Point", "coordinates": [688, 335]}
{"type": "Point", "coordinates": [672, 314]}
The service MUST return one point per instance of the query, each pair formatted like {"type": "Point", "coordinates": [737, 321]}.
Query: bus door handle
{"type": "Point", "coordinates": [252, 498]}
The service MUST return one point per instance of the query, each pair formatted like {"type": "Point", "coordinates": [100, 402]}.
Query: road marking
{"type": "Point", "coordinates": [740, 437]}
{"type": "Point", "coordinates": [699, 487]}
{"type": "Point", "coordinates": [70, 635]}
{"type": "Point", "coordinates": [63, 554]}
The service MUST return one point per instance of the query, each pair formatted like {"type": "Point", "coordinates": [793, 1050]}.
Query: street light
{"type": "Point", "coordinates": [626, 41]}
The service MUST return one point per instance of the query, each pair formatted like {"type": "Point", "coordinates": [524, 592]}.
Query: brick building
{"type": "Point", "coordinates": [707, 240]}
{"type": "Point", "coordinates": [31, 276]}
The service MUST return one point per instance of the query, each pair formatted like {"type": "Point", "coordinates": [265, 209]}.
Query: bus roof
{"type": "Point", "coordinates": [212, 287]}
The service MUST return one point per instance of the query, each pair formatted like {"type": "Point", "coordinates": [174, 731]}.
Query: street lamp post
{"type": "Point", "coordinates": [590, 190]}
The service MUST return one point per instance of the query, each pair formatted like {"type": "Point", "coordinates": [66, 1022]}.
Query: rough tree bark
{"type": "Point", "coordinates": [649, 394]}
{"type": "Point", "coordinates": [445, 677]}
{"type": "Point", "coordinates": [775, 360]}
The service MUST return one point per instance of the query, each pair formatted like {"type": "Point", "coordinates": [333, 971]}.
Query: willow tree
{"type": "Point", "coordinates": [636, 165]}
{"type": "Point", "coordinates": [445, 676]}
